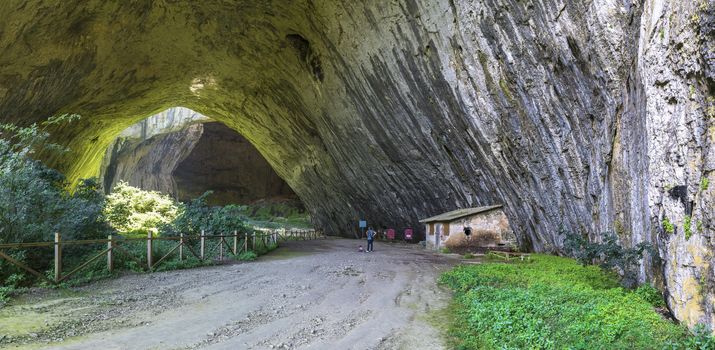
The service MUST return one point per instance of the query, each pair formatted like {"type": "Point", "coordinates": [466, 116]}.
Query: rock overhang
{"type": "Point", "coordinates": [393, 111]}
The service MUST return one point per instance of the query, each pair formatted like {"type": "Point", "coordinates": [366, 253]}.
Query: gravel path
{"type": "Point", "coordinates": [305, 295]}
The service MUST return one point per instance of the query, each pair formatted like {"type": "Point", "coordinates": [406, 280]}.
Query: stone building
{"type": "Point", "coordinates": [489, 226]}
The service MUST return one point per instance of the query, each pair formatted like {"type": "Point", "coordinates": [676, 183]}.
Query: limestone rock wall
{"type": "Point", "coordinates": [590, 115]}
{"type": "Point", "coordinates": [146, 153]}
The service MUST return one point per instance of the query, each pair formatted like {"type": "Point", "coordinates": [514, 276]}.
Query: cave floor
{"type": "Point", "coordinates": [305, 295]}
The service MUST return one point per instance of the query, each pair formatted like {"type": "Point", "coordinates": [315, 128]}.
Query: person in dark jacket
{"type": "Point", "coordinates": [370, 237]}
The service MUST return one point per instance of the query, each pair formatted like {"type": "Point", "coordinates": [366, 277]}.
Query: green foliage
{"type": "Point", "coordinates": [687, 227]}
{"type": "Point", "coordinates": [197, 216]}
{"type": "Point", "coordinates": [701, 339]}
{"type": "Point", "coordinates": [275, 214]}
{"type": "Point", "coordinates": [651, 295]}
{"type": "Point", "coordinates": [444, 250]}
{"type": "Point", "coordinates": [704, 183]}
{"type": "Point", "coordinates": [133, 210]}
{"type": "Point", "coordinates": [34, 202]}
{"type": "Point", "coordinates": [468, 256]}
{"type": "Point", "coordinates": [609, 254]}
{"type": "Point", "coordinates": [668, 226]}
{"type": "Point", "coordinates": [247, 256]}
{"type": "Point", "coordinates": [553, 303]}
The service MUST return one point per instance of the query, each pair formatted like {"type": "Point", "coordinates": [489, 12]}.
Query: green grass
{"type": "Point", "coordinates": [554, 303]}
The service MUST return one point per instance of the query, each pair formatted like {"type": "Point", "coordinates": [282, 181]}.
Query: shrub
{"type": "Point", "coordinates": [133, 210]}
{"type": "Point", "coordinates": [247, 256]}
{"type": "Point", "coordinates": [609, 255]}
{"type": "Point", "coordinates": [197, 216]}
{"type": "Point", "coordinates": [651, 295]}
{"type": "Point", "coordinates": [687, 227]}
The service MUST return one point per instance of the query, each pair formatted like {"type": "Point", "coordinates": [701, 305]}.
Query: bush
{"type": "Point", "coordinates": [609, 255]}
{"type": "Point", "coordinates": [552, 303]}
{"type": "Point", "coordinates": [133, 210]}
{"type": "Point", "coordinates": [197, 216]}
{"type": "Point", "coordinates": [651, 295]}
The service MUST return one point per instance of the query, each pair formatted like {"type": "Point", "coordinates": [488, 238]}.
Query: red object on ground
{"type": "Point", "coordinates": [390, 233]}
{"type": "Point", "coordinates": [408, 234]}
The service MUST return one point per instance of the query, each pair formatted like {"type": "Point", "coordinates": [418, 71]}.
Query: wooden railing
{"type": "Point", "coordinates": [231, 244]}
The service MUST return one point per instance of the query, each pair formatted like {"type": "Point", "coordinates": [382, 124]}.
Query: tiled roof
{"type": "Point", "coordinates": [460, 213]}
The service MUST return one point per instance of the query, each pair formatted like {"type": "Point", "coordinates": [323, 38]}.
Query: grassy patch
{"type": "Point", "coordinates": [247, 256]}
{"type": "Point", "coordinates": [553, 303]}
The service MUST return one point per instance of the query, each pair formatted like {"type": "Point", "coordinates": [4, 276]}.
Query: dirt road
{"type": "Point", "coordinates": [305, 295]}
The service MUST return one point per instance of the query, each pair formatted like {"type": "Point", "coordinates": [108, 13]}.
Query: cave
{"type": "Point", "coordinates": [184, 154]}
{"type": "Point", "coordinates": [558, 110]}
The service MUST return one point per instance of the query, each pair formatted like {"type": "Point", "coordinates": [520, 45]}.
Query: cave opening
{"type": "Point", "coordinates": [184, 154]}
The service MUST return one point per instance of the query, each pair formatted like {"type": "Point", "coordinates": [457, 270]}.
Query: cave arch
{"type": "Point", "coordinates": [400, 110]}
{"type": "Point", "coordinates": [184, 154]}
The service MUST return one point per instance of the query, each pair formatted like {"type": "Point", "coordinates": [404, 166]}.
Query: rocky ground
{"type": "Point", "coordinates": [305, 295]}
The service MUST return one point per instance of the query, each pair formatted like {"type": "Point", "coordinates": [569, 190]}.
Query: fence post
{"type": "Point", "coordinates": [253, 241]}
{"type": "Point", "coordinates": [181, 246]}
{"type": "Point", "coordinates": [203, 244]}
{"type": "Point", "coordinates": [245, 242]}
{"type": "Point", "coordinates": [110, 247]}
{"type": "Point", "coordinates": [149, 249]}
{"type": "Point", "coordinates": [220, 248]}
{"type": "Point", "coordinates": [235, 242]}
{"type": "Point", "coordinates": [58, 257]}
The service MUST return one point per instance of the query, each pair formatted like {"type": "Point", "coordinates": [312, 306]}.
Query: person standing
{"type": "Point", "coordinates": [370, 238]}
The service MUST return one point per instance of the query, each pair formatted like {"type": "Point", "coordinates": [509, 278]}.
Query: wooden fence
{"type": "Point", "coordinates": [232, 244]}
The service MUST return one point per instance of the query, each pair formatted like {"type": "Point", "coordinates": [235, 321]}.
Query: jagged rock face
{"type": "Point", "coordinates": [147, 153]}
{"type": "Point", "coordinates": [592, 115]}
{"type": "Point", "coordinates": [181, 153]}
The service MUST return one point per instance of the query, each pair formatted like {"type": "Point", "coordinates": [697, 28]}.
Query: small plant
{"type": "Point", "coordinates": [704, 183]}
{"type": "Point", "coordinates": [247, 256]}
{"type": "Point", "coordinates": [444, 250]}
{"type": "Point", "coordinates": [687, 228]}
{"type": "Point", "coordinates": [651, 295]}
{"type": "Point", "coordinates": [701, 339]}
{"type": "Point", "coordinates": [668, 226]}
{"type": "Point", "coordinates": [699, 225]}
{"type": "Point", "coordinates": [468, 256]}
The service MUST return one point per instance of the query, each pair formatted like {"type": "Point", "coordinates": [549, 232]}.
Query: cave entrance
{"type": "Point", "coordinates": [184, 154]}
